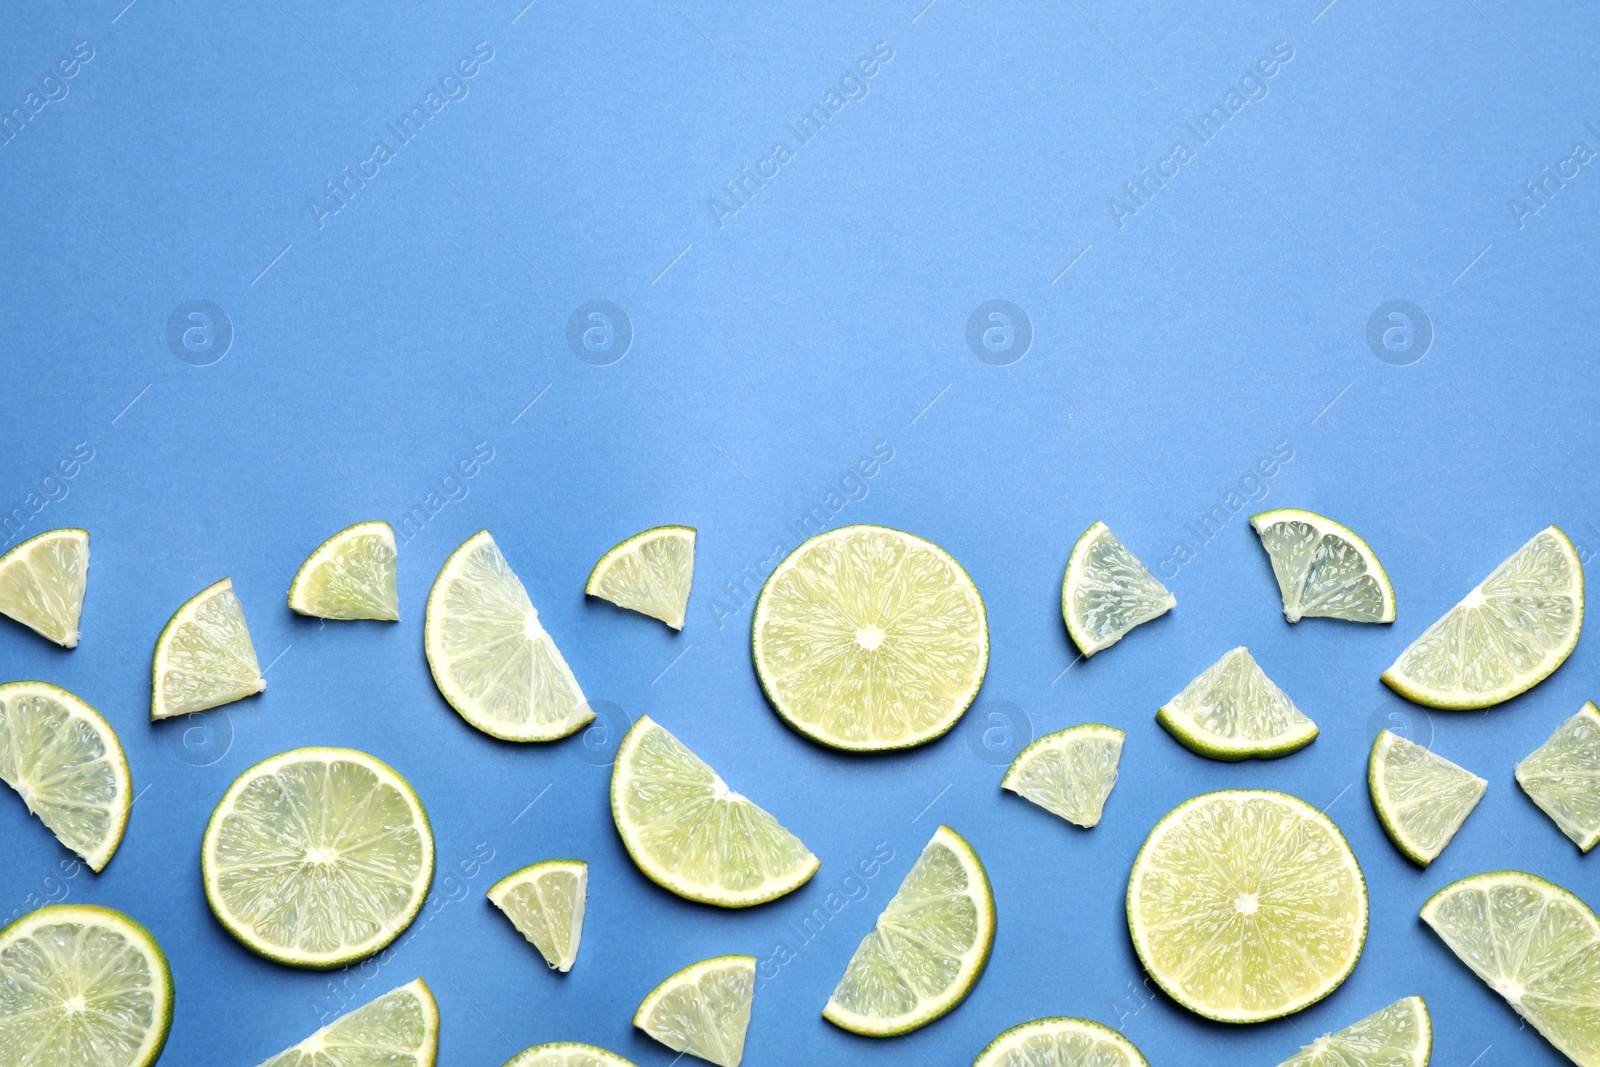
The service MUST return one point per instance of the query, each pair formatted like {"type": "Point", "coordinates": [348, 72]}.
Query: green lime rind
{"type": "Point", "coordinates": [312, 872]}
{"type": "Point", "coordinates": [1476, 655]}
{"type": "Point", "coordinates": [1400, 1035]}
{"type": "Point", "coordinates": [1562, 776]}
{"type": "Point", "coordinates": [567, 1054]}
{"type": "Point", "coordinates": [1323, 568]}
{"type": "Point", "coordinates": [1108, 592]}
{"type": "Point", "coordinates": [1069, 773]}
{"type": "Point", "coordinates": [1233, 711]}
{"type": "Point", "coordinates": [703, 1009]}
{"type": "Point", "coordinates": [956, 672]}
{"type": "Point", "coordinates": [150, 1005]}
{"type": "Point", "coordinates": [85, 802]}
{"type": "Point", "coordinates": [204, 657]}
{"type": "Point", "coordinates": [1420, 797]}
{"type": "Point", "coordinates": [47, 598]}
{"type": "Point", "coordinates": [537, 917]}
{"type": "Point", "coordinates": [633, 576]}
{"type": "Point", "coordinates": [1060, 1042]}
{"type": "Point", "coordinates": [351, 575]}
{"type": "Point", "coordinates": [1535, 944]}
{"type": "Point", "coordinates": [398, 1029]}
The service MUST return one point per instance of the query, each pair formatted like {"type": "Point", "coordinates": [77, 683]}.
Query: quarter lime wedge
{"type": "Point", "coordinates": [1400, 1035]}
{"type": "Point", "coordinates": [42, 582]}
{"type": "Point", "coordinates": [66, 763]}
{"type": "Point", "coordinates": [929, 947]}
{"type": "Point", "coordinates": [351, 575]}
{"type": "Point", "coordinates": [1562, 776]}
{"type": "Point", "coordinates": [1506, 637]}
{"type": "Point", "coordinates": [1070, 772]}
{"type": "Point", "coordinates": [1323, 568]}
{"type": "Point", "coordinates": [567, 1054]}
{"type": "Point", "coordinates": [649, 573]}
{"type": "Point", "coordinates": [703, 1010]}
{"type": "Point", "coordinates": [1060, 1043]}
{"type": "Point", "coordinates": [399, 1029]}
{"type": "Point", "coordinates": [1421, 798]}
{"type": "Point", "coordinates": [1107, 591]}
{"type": "Point", "coordinates": [1233, 711]}
{"type": "Point", "coordinates": [867, 639]}
{"type": "Point", "coordinates": [203, 656]}
{"type": "Point", "coordinates": [545, 903]}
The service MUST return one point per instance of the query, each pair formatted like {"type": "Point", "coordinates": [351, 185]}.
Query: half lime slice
{"type": "Point", "coordinates": [42, 582]}
{"type": "Point", "coordinates": [650, 573]}
{"type": "Point", "coordinates": [1400, 1035]}
{"type": "Point", "coordinates": [1070, 772]}
{"type": "Point", "coordinates": [1108, 591]}
{"type": "Point", "coordinates": [399, 1029]}
{"type": "Point", "coordinates": [1420, 797]}
{"type": "Point", "coordinates": [1060, 1043]}
{"type": "Point", "coordinates": [545, 903]}
{"type": "Point", "coordinates": [1233, 711]}
{"type": "Point", "coordinates": [351, 575]}
{"type": "Point", "coordinates": [703, 1010]}
{"type": "Point", "coordinates": [1562, 776]}
{"type": "Point", "coordinates": [203, 656]}
{"type": "Point", "coordinates": [1323, 568]}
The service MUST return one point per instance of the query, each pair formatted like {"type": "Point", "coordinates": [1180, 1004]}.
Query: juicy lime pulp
{"type": "Point", "coordinates": [567, 1054]}
{"type": "Point", "coordinates": [545, 903]}
{"type": "Point", "coordinates": [1233, 711]}
{"type": "Point", "coordinates": [1070, 772]}
{"type": "Point", "coordinates": [703, 1010]}
{"type": "Point", "coordinates": [1400, 1035]}
{"type": "Point", "coordinates": [1420, 797]}
{"type": "Point", "coordinates": [650, 572]}
{"type": "Point", "coordinates": [399, 1029]}
{"type": "Point", "coordinates": [1107, 591]}
{"type": "Point", "coordinates": [204, 657]}
{"type": "Point", "coordinates": [1060, 1043]}
{"type": "Point", "coordinates": [1247, 905]}
{"type": "Point", "coordinates": [1562, 776]}
{"type": "Point", "coordinates": [42, 582]}
{"type": "Point", "coordinates": [66, 763]}
{"type": "Point", "coordinates": [490, 656]}
{"type": "Point", "coordinates": [690, 833]}
{"type": "Point", "coordinates": [351, 575]}
{"type": "Point", "coordinates": [1323, 568]}
{"type": "Point", "coordinates": [867, 638]}
{"type": "Point", "coordinates": [317, 857]}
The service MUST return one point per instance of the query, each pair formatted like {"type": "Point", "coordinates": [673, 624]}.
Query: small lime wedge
{"type": "Point", "coordinates": [1323, 568]}
{"type": "Point", "coordinates": [567, 1054]}
{"type": "Point", "coordinates": [204, 657]}
{"type": "Point", "coordinates": [1108, 591]}
{"type": "Point", "coordinates": [1420, 797]}
{"type": "Point", "coordinates": [703, 1010]}
{"type": "Point", "coordinates": [399, 1029]}
{"type": "Point", "coordinates": [650, 573]}
{"type": "Point", "coordinates": [545, 903]}
{"type": "Point", "coordinates": [1070, 772]}
{"type": "Point", "coordinates": [1060, 1043]}
{"type": "Point", "coordinates": [1400, 1035]}
{"type": "Point", "coordinates": [1562, 776]}
{"type": "Point", "coordinates": [351, 575]}
{"type": "Point", "coordinates": [42, 582]}
{"type": "Point", "coordinates": [1233, 711]}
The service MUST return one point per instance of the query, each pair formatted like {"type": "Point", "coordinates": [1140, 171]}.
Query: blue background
{"type": "Point", "coordinates": [773, 348]}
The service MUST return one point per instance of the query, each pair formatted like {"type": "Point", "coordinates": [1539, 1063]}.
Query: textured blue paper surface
{"type": "Point", "coordinates": [1197, 259]}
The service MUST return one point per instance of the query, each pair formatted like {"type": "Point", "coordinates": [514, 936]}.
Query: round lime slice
{"type": "Point", "coordinates": [650, 573]}
{"type": "Point", "coordinates": [567, 1054]}
{"type": "Point", "coordinates": [351, 575]}
{"type": "Point", "coordinates": [42, 582]}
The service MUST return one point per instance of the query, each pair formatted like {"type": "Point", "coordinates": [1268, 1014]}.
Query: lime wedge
{"type": "Point", "coordinates": [1400, 1035]}
{"type": "Point", "coordinates": [82, 986]}
{"type": "Point", "coordinates": [1069, 772]}
{"type": "Point", "coordinates": [1233, 711]}
{"type": "Point", "coordinates": [66, 763]}
{"type": "Point", "coordinates": [928, 948]}
{"type": "Point", "coordinates": [1536, 945]}
{"type": "Point", "coordinates": [703, 1010]}
{"type": "Point", "coordinates": [399, 1029]}
{"type": "Point", "coordinates": [1060, 1043]}
{"type": "Point", "coordinates": [545, 903]}
{"type": "Point", "coordinates": [1562, 776]}
{"type": "Point", "coordinates": [1107, 592]}
{"type": "Point", "coordinates": [204, 657]}
{"type": "Point", "coordinates": [1323, 568]}
{"type": "Point", "coordinates": [1506, 637]}
{"type": "Point", "coordinates": [490, 656]}
{"type": "Point", "coordinates": [351, 575]}
{"type": "Point", "coordinates": [1421, 798]}
{"type": "Point", "coordinates": [567, 1054]}
{"type": "Point", "coordinates": [42, 582]}
{"type": "Point", "coordinates": [649, 573]}
{"type": "Point", "coordinates": [317, 857]}
{"type": "Point", "coordinates": [690, 833]}
{"type": "Point", "coordinates": [866, 638]}
{"type": "Point", "coordinates": [1247, 905]}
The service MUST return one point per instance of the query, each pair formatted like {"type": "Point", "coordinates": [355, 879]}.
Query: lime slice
{"type": "Point", "coordinates": [928, 948]}
{"type": "Point", "coordinates": [1562, 776]}
{"type": "Point", "coordinates": [317, 857]}
{"type": "Point", "coordinates": [703, 1010]}
{"type": "Point", "coordinates": [1247, 905]}
{"type": "Point", "coordinates": [1323, 569]}
{"type": "Point", "coordinates": [399, 1029]}
{"type": "Point", "coordinates": [567, 1054]}
{"type": "Point", "coordinates": [1107, 592]}
{"type": "Point", "coordinates": [690, 833]}
{"type": "Point", "coordinates": [1505, 637]}
{"type": "Point", "coordinates": [649, 573]}
{"type": "Point", "coordinates": [490, 656]}
{"type": "Point", "coordinates": [42, 582]}
{"type": "Point", "coordinates": [351, 575]}
{"type": "Point", "coordinates": [1400, 1035]}
{"type": "Point", "coordinates": [866, 638]}
{"type": "Point", "coordinates": [1069, 772]}
{"type": "Point", "coordinates": [1233, 711]}
{"type": "Point", "coordinates": [1060, 1043]}
{"type": "Point", "coordinates": [204, 657]}
{"type": "Point", "coordinates": [1536, 945]}
{"type": "Point", "coordinates": [66, 763]}
{"type": "Point", "coordinates": [545, 903]}
{"type": "Point", "coordinates": [82, 986]}
{"type": "Point", "coordinates": [1421, 798]}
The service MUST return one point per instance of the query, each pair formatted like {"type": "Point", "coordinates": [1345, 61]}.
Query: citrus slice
{"type": "Point", "coordinates": [1536, 945]}
{"type": "Point", "coordinates": [317, 857]}
{"type": "Point", "coordinates": [204, 657]}
{"type": "Point", "coordinates": [1421, 798]}
{"type": "Point", "coordinates": [703, 1010]}
{"type": "Point", "coordinates": [66, 763]}
{"type": "Point", "coordinates": [649, 573]}
{"type": "Point", "coordinates": [1323, 569]}
{"type": "Point", "coordinates": [927, 949]}
{"type": "Point", "coordinates": [1246, 905]}
{"type": "Point", "coordinates": [351, 575]}
{"type": "Point", "coordinates": [545, 903]}
{"type": "Point", "coordinates": [1233, 711]}
{"type": "Point", "coordinates": [42, 582]}
{"type": "Point", "coordinates": [1107, 591]}
{"type": "Point", "coordinates": [1060, 1043]}
{"type": "Point", "coordinates": [82, 986]}
{"type": "Point", "coordinates": [1069, 772]}
{"type": "Point", "coordinates": [1400, 1035]}
{"type": "Point", "coordinates": [490, 656]}
{"type": "Point", "coordinates": [866, 638]}
{"type": "Point", "coordinates": [1562, 776]}
{"type": "Point", "coordinates": [399, 1029]}
{"type": "Point", "coordinates": [1506, 637]}
{"type": "Point", "coordinates": [690, 833]}
{"type": "Point", "coordinates": [567, 1054]}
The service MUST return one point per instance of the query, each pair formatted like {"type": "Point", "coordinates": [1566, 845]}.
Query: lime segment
{"type": "Point", "coordinates": [1233, 711]}
{"type": "Point", "coordinates": [399, 1029]}
{"type": "Point", "coordinates": [1060, 1043]}
{"type": "Point", "coordinates": [567, 1054]}
{"type": "Point", "coordinates": [351, 575]}
{"type": "Point", "coordinates": [1108, 591]}
{"type": "Point", "coordinates": [545, 903]}
{"type": "Point", "coordinates": [1421, 798]}
{"type": "Point", "coordinates": [1562, 776]}
{"type": "Point", "coordinates": [1323, 568]}
{"type": "Point", "coordinates": [1070, 772]}
{"type": "Point", "coordinates": [42, 582]}
{"type": "Point", "coordinates": [204, 657]}
{"type": "Point", "coordinates": [650, 573]}
{"type": "Point", "coordinates": [703, 1010]}
{"type": "Point", "coordinates": [1400, 1035]}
